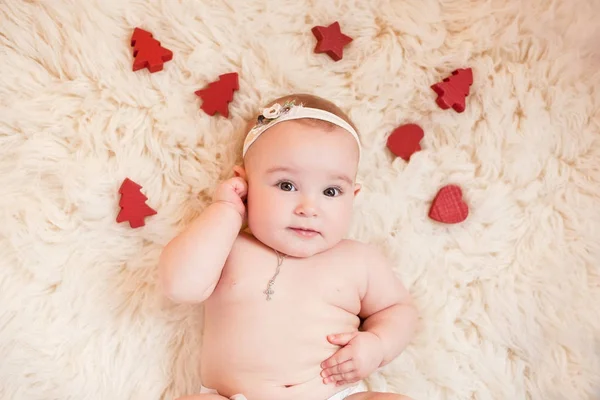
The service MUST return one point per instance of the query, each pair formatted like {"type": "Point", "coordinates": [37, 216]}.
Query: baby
{"type": "Point", "coordinates": [293, 311]}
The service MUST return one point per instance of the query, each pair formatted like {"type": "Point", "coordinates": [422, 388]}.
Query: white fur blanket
{"type": "Point", "coordinates": [509, 299]}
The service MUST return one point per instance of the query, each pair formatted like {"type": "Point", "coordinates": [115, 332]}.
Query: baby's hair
{"type": "Point", "coordinates": [311, 101]}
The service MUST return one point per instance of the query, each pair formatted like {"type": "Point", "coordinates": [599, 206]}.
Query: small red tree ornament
{"type": "Point", "coordinates": [453, 90]}
{"type": "Point", "coordinates": [147, 51]}
{"type": "Point", "coordinates": [218, 94]}
{"type": "Point", "coordinates": [133, 204]}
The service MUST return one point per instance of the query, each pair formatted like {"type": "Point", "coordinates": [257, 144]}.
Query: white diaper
{"type": "Point", "coordinates": [205, 390]}
{"type": "Point", "coordinates": [358, 388]}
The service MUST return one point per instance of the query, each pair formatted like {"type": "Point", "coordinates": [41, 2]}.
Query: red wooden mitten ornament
{"type": "Point", "coordinates": [218, 94]}
{"type": "Point", "coordinates": [404, 140]}
{"type": "Point", "coordinates": [448, 206]}
{"type": "Point", "coordinates": [331, 40]}
{"type": "Point", "coordinates": [453, 90]}
{"type": "Point", "coordinates": [147, 51]}
{"type": "Point", "coordinates": [133, 204]}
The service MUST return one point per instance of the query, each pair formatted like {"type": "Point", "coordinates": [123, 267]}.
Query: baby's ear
{"type": "Point", "coordinates": [357, 188]}
{"type": "Point", "coordinates": [239, 171]}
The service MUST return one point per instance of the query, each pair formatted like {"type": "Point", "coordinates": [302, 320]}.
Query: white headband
{"type": "Point", "coordinates": [289, 111]}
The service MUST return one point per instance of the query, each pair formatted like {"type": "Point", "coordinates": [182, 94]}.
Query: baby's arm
{"type": "Point", "coordinates": [387, 306]}
{"type": "Point", "coordinates": [190, 265]}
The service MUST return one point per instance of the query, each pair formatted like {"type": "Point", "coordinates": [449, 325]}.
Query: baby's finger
{"type": "Point", "coordinates": [346, 366]}
{"type": "Point", "coordinates": [342, 355]}
{"type": "Point", "coordinates": [342, 383]}
{"type": "Point", "coordinates": [346, 377]}
{"type": "Point", "coordinates": [342, 339]}
{"type": "Point", "coordinates": [239, 186]}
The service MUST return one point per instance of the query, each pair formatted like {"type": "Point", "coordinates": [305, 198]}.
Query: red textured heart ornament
{"type": "Point", "coordinates": [448, 206]}
{"type": "Point", "coordinates": [404, 140]}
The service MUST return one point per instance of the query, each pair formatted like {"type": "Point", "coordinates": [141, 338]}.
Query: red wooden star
{"type": "Point", "coordinates": [331, 40]}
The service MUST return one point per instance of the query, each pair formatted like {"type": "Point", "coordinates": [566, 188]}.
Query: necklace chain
{"type": "Point", "coordinates": [270, 290]}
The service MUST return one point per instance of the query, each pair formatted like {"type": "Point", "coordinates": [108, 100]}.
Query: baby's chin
{"type": "Point", "coordinates": [303, 252]}
{"type": "Point", "coordinates": [298, 248]}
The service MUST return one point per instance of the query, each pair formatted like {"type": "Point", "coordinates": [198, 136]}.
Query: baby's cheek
{"type": "Point", "coordinates": [340, 219]}
{"type": "Point", "coordinates": [262, 209]}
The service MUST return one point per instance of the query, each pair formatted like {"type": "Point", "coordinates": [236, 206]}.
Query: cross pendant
{"type": "Point", "coordinates": [269, 292]}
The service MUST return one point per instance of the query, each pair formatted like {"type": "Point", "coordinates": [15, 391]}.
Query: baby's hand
{"type": "Point", "coordinates": [232, 192]}
{"type": "Point", "coordinates": [361, 355]}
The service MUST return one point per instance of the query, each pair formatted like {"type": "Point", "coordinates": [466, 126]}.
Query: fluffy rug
{"type": "Point", "coordinates": [509, 299]}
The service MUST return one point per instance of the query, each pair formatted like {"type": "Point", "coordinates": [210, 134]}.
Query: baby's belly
{"type": "Point", "coordinates": [271, 350]}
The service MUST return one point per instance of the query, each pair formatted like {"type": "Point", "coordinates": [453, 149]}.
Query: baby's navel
{"type": "Point", "coordinates": [293, 384]}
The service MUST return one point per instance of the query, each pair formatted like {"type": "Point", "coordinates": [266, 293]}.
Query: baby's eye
{"type": "Point", "coordinates": [332, 192]}
{"type": "Point", "coordinates": [286, 186]}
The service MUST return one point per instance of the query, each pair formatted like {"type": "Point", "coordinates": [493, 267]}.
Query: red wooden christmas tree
{"type": "Point", "coordinates": [218, 94]}
{"type": "Point", "coordinates": [453, 90]}
{"type": "Point", "coordinates": [147, 51]}
{"type": "Point", "coordinates": [133, 204]}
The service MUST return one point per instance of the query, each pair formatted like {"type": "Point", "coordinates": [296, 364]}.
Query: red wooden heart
{"type": "Point", "coordinates": [448, 206]}
{"type": "Point", "coordinates": [404, 140]}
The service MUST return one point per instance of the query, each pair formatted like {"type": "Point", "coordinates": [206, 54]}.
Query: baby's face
{"type": "Point", "coordinates": [301, 186]}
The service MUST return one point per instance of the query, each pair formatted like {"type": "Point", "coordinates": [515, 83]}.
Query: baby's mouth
{"type": "Point", "coordinates": [304, 232]}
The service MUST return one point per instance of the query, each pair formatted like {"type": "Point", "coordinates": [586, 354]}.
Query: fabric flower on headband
{"type": "Point", "coordinates": [277, 113]}
{"type": "Point", "coordinates": [271, 113]}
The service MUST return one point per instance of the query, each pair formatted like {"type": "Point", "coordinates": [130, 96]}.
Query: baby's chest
{"type": "Point", "coordinates": [302, 284]}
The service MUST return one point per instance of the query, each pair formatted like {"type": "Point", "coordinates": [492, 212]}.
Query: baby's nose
{"type": "Point", "coordinates": [307, 208]}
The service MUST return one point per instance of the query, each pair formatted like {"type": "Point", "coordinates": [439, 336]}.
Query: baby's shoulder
{"type": "Point", "coordinates": [357, 253]}
{"type": "Point", "coordinates": [357, 250]}
{"type": "Point", "coordinates": [244, 249]}
{"type": "Point", "coordinates": [245, 242]}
